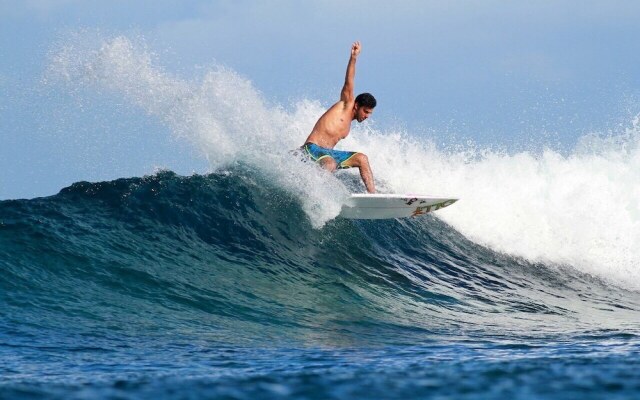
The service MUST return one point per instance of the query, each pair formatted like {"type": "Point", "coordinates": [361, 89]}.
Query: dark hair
{"type": "Point", "coordinates": [366, 100]}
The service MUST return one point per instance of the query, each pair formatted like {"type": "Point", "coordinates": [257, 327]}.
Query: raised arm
{"type": "Point", "coordinates": [347, 90]}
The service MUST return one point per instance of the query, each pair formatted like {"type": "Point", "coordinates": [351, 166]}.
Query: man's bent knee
{"type": "Point", "coordinates": [329, 164]}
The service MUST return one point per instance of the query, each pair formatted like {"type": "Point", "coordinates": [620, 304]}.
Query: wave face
{"type": "Point", "coordinates": [167, 266]}
{"type": "Point", "coordinates": [233, 252]}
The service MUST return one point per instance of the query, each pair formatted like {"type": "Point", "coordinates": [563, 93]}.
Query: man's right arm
{"type": "Point", "coordinates": [349, 81]}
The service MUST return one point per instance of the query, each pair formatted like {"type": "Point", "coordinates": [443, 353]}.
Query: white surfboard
{"type": "Point", "coordinates": [382, 206]}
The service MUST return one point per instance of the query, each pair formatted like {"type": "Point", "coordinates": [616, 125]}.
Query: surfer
{"type": "Point", "coordinates": [335, 124]}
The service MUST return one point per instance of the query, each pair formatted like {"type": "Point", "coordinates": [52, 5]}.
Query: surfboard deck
{"type": "Point", "coordinates": [383, 206]}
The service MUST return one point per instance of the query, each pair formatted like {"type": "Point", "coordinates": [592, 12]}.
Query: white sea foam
{"type": "Point", "coordinates": [581, 209]}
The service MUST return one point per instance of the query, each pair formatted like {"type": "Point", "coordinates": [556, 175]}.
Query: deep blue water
{"type": "Point", "coordinates": [218, 286]}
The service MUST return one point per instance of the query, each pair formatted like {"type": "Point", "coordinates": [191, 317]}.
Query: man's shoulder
{"type": "Point", "coordinates": [342, 105]}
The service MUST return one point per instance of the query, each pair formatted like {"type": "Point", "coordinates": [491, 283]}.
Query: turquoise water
{"type": "Point", "coordinates": [218, 286]}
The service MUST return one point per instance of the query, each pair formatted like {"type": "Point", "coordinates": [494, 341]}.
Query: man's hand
{"type": "Point", "coordinates": [355, 49]}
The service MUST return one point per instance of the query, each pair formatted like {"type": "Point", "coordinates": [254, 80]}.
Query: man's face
{"type": "Point", "coordinates": [363, 112]}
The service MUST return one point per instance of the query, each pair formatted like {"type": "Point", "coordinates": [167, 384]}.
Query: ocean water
{"type": "Point", "coordinates": [241, 283]}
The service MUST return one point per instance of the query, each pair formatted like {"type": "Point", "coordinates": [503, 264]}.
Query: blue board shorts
{"type": "Point", "coordinates": [317, 153]}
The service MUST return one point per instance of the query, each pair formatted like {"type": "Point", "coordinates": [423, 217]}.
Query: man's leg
{"type": "Point", "coordinates": [362, 162]}
{"type": "Point", "coordinates": [329, 164]}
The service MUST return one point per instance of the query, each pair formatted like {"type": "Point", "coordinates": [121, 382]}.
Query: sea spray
{"type": "Point", "coordinates": [223, 116]}
{"type": "Point", "coordinates": [580, 209]}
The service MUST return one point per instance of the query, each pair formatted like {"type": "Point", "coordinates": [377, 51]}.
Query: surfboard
{"type": "Point", "coordinates": [383, 206]}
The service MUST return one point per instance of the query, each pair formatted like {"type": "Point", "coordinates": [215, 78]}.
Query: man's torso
{"type": "Point", "coordinates": [333, 126]}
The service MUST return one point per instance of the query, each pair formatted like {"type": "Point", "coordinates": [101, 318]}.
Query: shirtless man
{"type": "Point", "coordinates": [334, 125]}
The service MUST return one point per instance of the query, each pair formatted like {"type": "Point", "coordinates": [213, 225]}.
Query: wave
{"type": "Point", "coordinates": [579, 209]}
{"type": "Point", "coordinates": [235, 258]}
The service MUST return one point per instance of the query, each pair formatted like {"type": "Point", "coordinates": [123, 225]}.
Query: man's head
{"type": "Point", "coordinates": [365, 103]}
